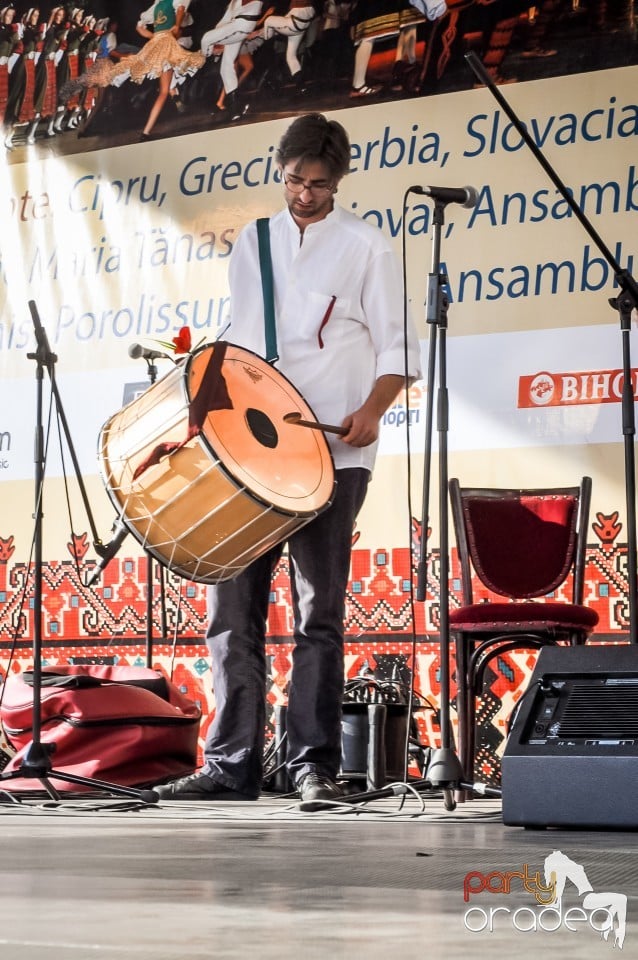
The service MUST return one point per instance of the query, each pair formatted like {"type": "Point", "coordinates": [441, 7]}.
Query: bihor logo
{"type": "Point", "coordinates": [573, 388]}
{"type": "Point", "coordinates": [542, 389]}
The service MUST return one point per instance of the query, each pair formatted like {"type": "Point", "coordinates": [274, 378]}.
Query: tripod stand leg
{"type": "Point", "coordinates": [50, 789]}
{"type": "Point", "coordinates": [37, 760]}
{"type": "Point", "coordinates": [133, 793]}
{"type": "Point", "coordinates": [37, 766]}
{"type": "Point", "coordinates": [145, 796]}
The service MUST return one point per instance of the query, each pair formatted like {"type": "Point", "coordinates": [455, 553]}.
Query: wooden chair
{"type": "Point", "coordinates": [522, 545]}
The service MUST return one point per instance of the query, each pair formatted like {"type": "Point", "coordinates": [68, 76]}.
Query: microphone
{"type": "Point", "coordinates": [136, 350]}
{"type": "Point", "coordinates": [108, 552]}
{"type": "Point", "coordinates": [466, 196]}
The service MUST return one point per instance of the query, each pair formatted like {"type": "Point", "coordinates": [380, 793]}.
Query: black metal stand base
{"type": "Point", "coordinates": [444, 768]}
{"type": "Point", "coordinates": [37, 766]}
{"type": "Point", "coordinates": [419, 786]}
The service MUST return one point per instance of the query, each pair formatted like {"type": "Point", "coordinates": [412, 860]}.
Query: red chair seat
{"type": "Point", "coordinates": [528, 617]}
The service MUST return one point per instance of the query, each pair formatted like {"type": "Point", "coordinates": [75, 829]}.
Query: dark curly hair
{"type": "Point", "coordinates": [313, 137]}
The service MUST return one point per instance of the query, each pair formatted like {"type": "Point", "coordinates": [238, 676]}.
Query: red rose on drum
{"type": "Point", "coordinates": [183, 342]}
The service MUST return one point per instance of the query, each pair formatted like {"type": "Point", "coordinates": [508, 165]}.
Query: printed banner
{"type": "Point", "coordinates": [117, 243]}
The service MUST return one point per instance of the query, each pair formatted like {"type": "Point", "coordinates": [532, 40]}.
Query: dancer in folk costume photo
{"type": "Point", "coordinates": [161, 58]}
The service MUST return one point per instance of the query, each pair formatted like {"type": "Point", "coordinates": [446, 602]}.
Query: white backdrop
{"type": "Point", "coordinates": [128, 244]}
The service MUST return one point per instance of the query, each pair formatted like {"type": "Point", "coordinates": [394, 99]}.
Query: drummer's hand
{"type": "Point", "coordinates": [362, 427]}
{"type": "Point", "coordinates": [363, 424]}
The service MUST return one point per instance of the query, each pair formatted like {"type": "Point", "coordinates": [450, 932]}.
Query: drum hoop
{"type": "Point", "coordinates": [210, 449]}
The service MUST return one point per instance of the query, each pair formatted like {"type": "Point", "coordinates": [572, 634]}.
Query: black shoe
{"type": "Point", "coordinates": [239, 112]}
{"type": "Point", "coordinates": [316, 791]}
{"type": "Point", "coordinates": [199, 786]}
{"type": "Point", "coordinates": [235, 107]}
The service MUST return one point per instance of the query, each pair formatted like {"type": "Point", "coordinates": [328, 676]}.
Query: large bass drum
{"type": "Point", "coordinates": [206, 502]}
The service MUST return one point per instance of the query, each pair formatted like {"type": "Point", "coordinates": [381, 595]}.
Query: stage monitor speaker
{"type": "Point", "coordinates": [571, 759]}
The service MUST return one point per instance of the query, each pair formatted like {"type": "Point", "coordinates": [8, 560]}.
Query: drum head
{"type": "Point", "coordinates": [286, 466]}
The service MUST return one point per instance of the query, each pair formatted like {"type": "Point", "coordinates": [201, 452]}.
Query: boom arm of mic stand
{"type": "Point", "coordinates": [624, 305]}
{"type": "Point", "coordinates": [485, 78]}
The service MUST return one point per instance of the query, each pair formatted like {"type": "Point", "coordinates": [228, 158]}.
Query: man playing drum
{"type": "Point", "coordinates": [340, 335]}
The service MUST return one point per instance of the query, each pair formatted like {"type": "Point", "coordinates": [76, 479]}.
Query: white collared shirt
{"type": "Point", "coordinates": [332, 363]}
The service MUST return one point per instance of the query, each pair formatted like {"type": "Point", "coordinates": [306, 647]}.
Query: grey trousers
{"type": "Point", "coordinates": [238, 609]}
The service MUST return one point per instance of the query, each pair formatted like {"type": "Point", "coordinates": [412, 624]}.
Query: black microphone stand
{"type": "Point", "coordinates": [37, 760]}
{"type": "Point", "coordinates": [444, 768]}
{"type": "Point", "coordinates": [624, 304]}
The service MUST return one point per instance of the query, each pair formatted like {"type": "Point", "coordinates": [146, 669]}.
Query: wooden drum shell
{"type": "Point", "coordinates": [228, 494]}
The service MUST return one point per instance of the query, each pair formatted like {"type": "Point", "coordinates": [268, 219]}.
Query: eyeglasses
{"type": "Point", "coordinates": [318, 188]}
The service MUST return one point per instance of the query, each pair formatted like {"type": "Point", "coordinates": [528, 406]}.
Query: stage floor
{"type": "Point", "coordinates": [397, 878]}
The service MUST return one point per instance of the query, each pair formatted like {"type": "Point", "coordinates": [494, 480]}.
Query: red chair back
{"type": "Point", "coordinates": [521, 543]}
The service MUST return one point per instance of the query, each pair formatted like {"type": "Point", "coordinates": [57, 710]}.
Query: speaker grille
{"type": "Point", "coordinates": [609, 711]}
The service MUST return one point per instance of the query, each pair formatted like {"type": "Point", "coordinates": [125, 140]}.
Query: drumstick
{"type": "Point", "coordinates": [313, 424]}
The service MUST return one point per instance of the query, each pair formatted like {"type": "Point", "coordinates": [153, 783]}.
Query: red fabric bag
{"type": "Point", "coordinates": [124, 725]}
